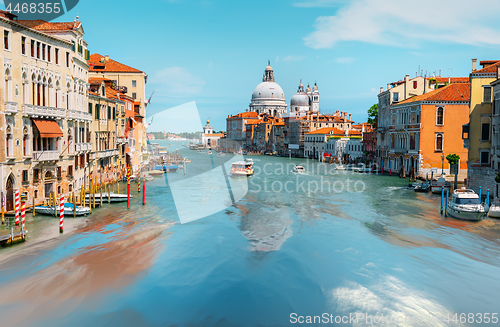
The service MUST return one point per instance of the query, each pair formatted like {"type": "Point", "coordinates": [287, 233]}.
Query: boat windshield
{"type": "Point", "coordinates": [467, 201]}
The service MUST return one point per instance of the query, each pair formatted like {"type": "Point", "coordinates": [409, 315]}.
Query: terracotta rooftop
{"type": "Point", "coordinates": [249, 114]}
{"type": "Point", "coordinates": [98, 80]}
{"type": "Point", "coordinates": [489, 66]}
{"type": "Point", "coordinates": [44, 26]}
{"type": "Point", "coordinates": [450, 80]}
{"type": "Point", "coordinates": [459, 92]}
{"type": "Point", "coordinates": [98, 63]}
{"type": "Point", "coordinates": [327, 131]}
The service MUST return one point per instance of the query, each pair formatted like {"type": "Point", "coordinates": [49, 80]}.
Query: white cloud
{"type": "Point", "coordinates": [406, 23]}
{"type": "Point", "coordinates": [177, 81]}
{"type": "Point", "coordinates": [344, 60]}
{"type": "Point", "coordinates": [293, 58]}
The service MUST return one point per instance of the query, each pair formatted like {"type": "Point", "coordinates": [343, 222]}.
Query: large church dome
{"type": "Point", "coordinates": [268, 90]}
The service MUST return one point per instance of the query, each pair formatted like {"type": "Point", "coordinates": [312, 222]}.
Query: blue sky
{"type": "Point", "coordinates": [215, 52]}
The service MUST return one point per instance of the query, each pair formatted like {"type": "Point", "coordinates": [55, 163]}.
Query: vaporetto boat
{"type": "Point", "coordinates": [465, 205]}
{"type": "Point", "coordinates": [68, 210]}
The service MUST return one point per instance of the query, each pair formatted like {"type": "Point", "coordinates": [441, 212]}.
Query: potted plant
{"type": "Point", "coordinates": [453, 160]}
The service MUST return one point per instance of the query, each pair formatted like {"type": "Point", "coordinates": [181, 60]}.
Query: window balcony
{"type": "Point", "coordinates": [82, 115]}
{"type": "Point", "coordinates": [82, 147]}
{"type": "Point", "coordinates": [40, 111]}
{"type": "Point", "coordinates": [52, 155]}
{"type": "Point", "coordinates": [121, 140]}
{"type": "Point", "coordinates": [106, 153]}
{"type": "Point", "coordinates": [11, 108]}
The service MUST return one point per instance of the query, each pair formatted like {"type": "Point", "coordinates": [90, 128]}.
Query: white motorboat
{"type": "Point", "coordinates": [113, 197]}
{"type": "Point", "coordinates": [341, 167]}
{"type": "Point", "coordinates": [242, 168]}
{"type": "Point", "coordinates": [437, 185]}
{"type": "Point", "coordinates": [299, 169]}
{"type": "Point", "coordinates": [68, 210]}
{"type": "Point", "coordinates": [465, 205]}
{"type": "Point", "coordinates": [494, 211]}
{"type": "Point", "coordinates": [209, 152]}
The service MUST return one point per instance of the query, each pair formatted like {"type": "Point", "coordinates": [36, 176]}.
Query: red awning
{"type": "Point", "coordinates": [48, 128]}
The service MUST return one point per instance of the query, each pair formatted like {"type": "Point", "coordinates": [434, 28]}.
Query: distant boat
{"type": "Point", "coordinates": [494, 211]}
{"type": "Point", "coordinates": [299, 169]}
{"type": "Point", "coordinates": [242, 168]}
{"type": "Point", "coordinates": [68, 210]}
{"type": "Point", "coordinates": [209, 152]}
{"type": "Point", "coordinates": [422, 187]}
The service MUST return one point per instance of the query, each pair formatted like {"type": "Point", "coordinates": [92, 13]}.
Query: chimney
{"type": "Point", "coordinates": [349, 116]}
{"type": "Point", "coordinates": [407, 78]}
{"type": "Point", "coordinates": [106, 58]}
{"type": "Point", "coordinates": [388, 86]}
{"type": "Point", "coordinates": [381, 89]}
{"type": "Point", "coordinates": [474, 65]}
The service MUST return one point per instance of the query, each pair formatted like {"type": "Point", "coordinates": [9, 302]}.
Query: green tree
{"type": "Point", "coordinates": [373, 114]}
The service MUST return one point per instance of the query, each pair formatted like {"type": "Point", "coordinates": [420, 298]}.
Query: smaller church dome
{"type": "Point", "coordinates": [299, 99]}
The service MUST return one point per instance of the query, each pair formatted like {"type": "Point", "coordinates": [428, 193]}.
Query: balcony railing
{"type": "Point", "coordinates": [75, 114]}
{"type": "Point", "coordinates": [106, 153]}
{"type": "Point", "coordinates": [79, 147]}
{"type": "Point", "coordinates": [121, 140]}
{"type": "Point", "coordinates": [46, 155]}
{"type": "Point", "coordinates": [32, 110]}
{"type": "Point", "coordinates": [11, 107]}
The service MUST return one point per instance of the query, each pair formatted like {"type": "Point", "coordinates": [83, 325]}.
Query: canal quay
{"type": "Point", "coordinates": [271, 257]}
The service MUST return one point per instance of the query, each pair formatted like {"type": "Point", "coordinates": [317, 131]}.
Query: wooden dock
{"type": "Point", "coordinates": [12, 237]}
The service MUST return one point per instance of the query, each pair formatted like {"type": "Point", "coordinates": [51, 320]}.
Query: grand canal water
{"type": "Point", "coordinates": [342, 244]}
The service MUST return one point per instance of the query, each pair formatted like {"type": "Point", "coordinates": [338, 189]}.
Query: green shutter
{"type": "Point", "coordinates": [114, 113]}
{"type": "Point", "coordinates": [90, 108]}
{"type": "Point", "coordinates": [97, 109]}
{"type": "Point", "coordinates": [87, 55]}
{"type": "Point", "coordinates": [109, 112]}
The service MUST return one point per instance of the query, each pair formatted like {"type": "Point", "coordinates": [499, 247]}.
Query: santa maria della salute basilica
{"type": "Point", "coordinates": [268, 97]}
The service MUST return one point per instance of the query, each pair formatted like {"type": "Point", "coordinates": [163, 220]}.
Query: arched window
{"type": "Point", "coordinates": [485, 129]}
{"type": "Point", "coordinates": [439, 142]}
{"type": "Point", "coordinates": [8, 86]}
{"type": "Point", "coordinates": [440, 116]}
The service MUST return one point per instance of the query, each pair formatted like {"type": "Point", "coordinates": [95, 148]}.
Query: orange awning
{"type": "Point", "coordinates": [48, 128]}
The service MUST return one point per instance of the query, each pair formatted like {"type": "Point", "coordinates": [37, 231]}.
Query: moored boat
{"type": "Point", "coordinates": [114, 197]}
{"type": "Point", "coordinates": [494, 211]}
{"type": "Point", "coordinates": [68, 210]}
{"type": "Point", "coordinates": [242, 168]}
{"type": "Point", "coordinates": [437, 185]}
{"type": "Point", "coordinates": [465, 205]}
{"type": "Point", "coordinates": [422, 187]}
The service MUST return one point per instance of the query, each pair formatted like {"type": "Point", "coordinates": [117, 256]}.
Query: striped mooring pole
{"type": "Point", "coordinates": [16, 200]}
{"type": "Point", "coordinates": [61, 215]}
{"type": "Point", "coordinates": [23, 214]}
{"type": "Point", "coordinates": [144, 191]}
{"type": "Point", "coordinates": [442, 199]}
{"type": "Point", "coordinates": [139, 179]}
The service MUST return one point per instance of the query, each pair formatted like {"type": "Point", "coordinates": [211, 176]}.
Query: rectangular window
{"type": "Point", "coordinates": [25, 176]}
{"type": "Point", "coordinates": [23, 45]}
{"type": "Point", "coordinates": [487, 94]}
{"type": "Point", "coordinates": [32, 48]}
{"type": "Point", "coordinates": [59, 172]}
{"type": "Point", "coordinates": [134, 83]}
{"type": "Point", "coordinates": [90, 108]}
{"type": "Point", "coordinates": [6, 40]}
{"type": "Point", "coordinates": [70, 171]}
{"type": "Point", "coordinates": [485, 157]}
{"type": "Point", "coordinates": [439, 116]}
{"type": "Point", "coordinates": [485, 131]}
{"type": "Point", "coordinates": [395, 97]}
{"type": "Point", "coordinates": [134, 96]}
{"type": "Point", "coordinates": [49, 50]}
{"type": "Point", "coordinates": [57, 56]}
{"type": "Point", "coordinates": [36, 175]}
{"type": "Point", "coordinates": [38, 50]}
{"type": "Point", "coordinates": [439, 142]}
{"type": "Point", "coordinates": [415, 84]}
{"type": "Point", "coordinates": [109, 112]}
{"type": "Point", "coordinates": [43, 51]}
{"type": "Point", "coordinates": [67, 59]}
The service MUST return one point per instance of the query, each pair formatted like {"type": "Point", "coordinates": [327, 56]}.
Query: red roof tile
{"type": "Point", "coordinates": [458, 92]}
{"type": "Point", "coordinates": [44, 26]}
{"type": "Point", "coordinates": [327, 131]}
{"type": "Point", "coordinates": [490, 68]}
{"type": "Point", "coordinates": [248, 114]}
{"type": "Point", "coordinates": [109, 65]}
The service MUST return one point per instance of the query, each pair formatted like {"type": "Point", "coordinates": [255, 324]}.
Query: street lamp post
{"type": "Point", "coordinates": [442, 163]}
{"type": "Point", "coordinates": [290, 153]}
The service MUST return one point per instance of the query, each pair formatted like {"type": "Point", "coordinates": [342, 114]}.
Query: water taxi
{"type": "Point", "coordinates": [113, 197]}
{"type": "Point", "coordinates": [466, 205]}
{"type": "Point", "coordinates": [299, 169]}
{"type": "Point", "coordinates": [242, 168]}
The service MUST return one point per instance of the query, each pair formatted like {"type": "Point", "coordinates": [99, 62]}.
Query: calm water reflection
{"type": "Point", "coordinates": [385, 250]}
